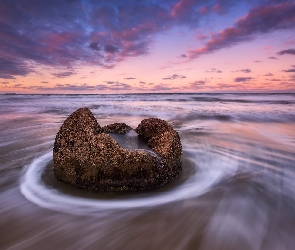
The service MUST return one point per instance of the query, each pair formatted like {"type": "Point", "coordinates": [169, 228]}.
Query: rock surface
{"type": "Point", "coordinates": [120, 128]}
{"type": "Point", "coordinates": [86, 157]}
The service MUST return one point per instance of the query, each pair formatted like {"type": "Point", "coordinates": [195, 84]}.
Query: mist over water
{"type": "Point", "coordinates": [236, 190]}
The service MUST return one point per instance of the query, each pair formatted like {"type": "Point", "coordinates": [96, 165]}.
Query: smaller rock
{"type": "Point", "coordinates": [121, 128]}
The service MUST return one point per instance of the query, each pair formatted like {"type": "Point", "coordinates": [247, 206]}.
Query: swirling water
{"type": "Point", "coordinates": [236, 190]}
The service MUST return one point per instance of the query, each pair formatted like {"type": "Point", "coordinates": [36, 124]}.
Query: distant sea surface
{"type": "Point", "coordinates": [236, 190]}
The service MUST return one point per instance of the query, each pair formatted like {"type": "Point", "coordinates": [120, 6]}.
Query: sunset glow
{"type": "Point", "coordinates": [147, 46]}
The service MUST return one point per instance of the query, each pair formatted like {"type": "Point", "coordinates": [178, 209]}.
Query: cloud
{"type": "Point", "coordinates": [201, 37]}
{"type": "Point", "coordinates": [287, 51]}
{"type": "Point", "coordinates": [80, 87]}
{"type": "Point", "coordinates": [70, 34]}
{"type": "Point", "coordinates": [197, 84]}
{"type": "Point", "coordinates": [259, 20]}
{"type": "Point", "coordinates": [129, 78]}
{"type": "Point", "coordinates": [213, 70]}
{"type": "Point", "coordinates": [289, 70]}
{"type": "Point", "coordinates": [109, 48]}
{"type": "Point", "coordinates": [10, 67]}
{"type": "Point", "coordinates": [268, 74]}
{"type": "Point", "coordinates": [186, 9]}
{"type": "Point", "coordinates": [229, 86]}
{"type": "Point", "coordinates": [94, 46]}
{"type": "Point", "coordinates": [110, 82]}
{"type": "Point", "coordinates": [66, 34]}
{"type": "Point", "coordinates": [173, 77]}
{"type": "Point", "coordinates": [4, 83]}
{"type": "Point", "coordinates": [243, 70]}
{"type": "Point", "coordinates": [64, 87]}
{"type": "Point", "coordinates": [243, 79]}
{"type": "Point", "coordinates": [161, 87]}
{"type": "Point", "coordinates": [101, 33]}
{"type": "Point", "coordinates": [18, 85]}
{"type": "Point", "coordinates": [273, 58]}
{"type": "Point", "coordinates": [63, 74]}
{"type": "Point", "coordinates": [114, 87]}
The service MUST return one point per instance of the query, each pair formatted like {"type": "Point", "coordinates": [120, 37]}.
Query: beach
{"type": "Point", "coordinates": [236, 189]}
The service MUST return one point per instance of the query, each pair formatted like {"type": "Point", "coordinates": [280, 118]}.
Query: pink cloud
{"type": "Point", "coordinates": [203, 10]}
{"type": "Point", "coordinates": [218, 8]}
{"type": "Point", "coordinates": [259, 20]}
{"type": "Point", "coordinates": [180, 7]}
{"type": "Point", "coordinates": [201, 36]}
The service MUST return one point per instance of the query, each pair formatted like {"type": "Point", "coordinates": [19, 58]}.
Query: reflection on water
{"type": "Point", "coordinates": [237, 189]}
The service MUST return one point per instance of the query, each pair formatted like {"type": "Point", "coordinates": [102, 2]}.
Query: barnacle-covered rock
{"type": "Point", "coordinates": [165, 142]}
{"type": "Point", "coordinates": [120, 128]}
{"type": "Point", "coordinates": [85, 156]}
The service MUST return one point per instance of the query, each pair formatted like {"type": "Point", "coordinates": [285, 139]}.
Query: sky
{"type": "Point", "coordinates": [115, 46]}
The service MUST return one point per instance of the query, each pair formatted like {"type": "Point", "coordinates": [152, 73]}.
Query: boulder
{"type": "Point", "coordinates": [85, 156]}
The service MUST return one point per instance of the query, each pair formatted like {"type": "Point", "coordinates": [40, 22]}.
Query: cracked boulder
{"type": "Point", "coordinates": [84, 155]}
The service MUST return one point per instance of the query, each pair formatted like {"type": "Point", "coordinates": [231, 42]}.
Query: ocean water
{"type": "Point", "coordinates": [236, 191]}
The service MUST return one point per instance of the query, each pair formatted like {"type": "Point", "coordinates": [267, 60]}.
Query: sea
{"type": "Point", "coordinates": [236, 189]}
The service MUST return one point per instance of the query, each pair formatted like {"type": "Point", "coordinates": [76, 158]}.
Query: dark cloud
{"type": "Point", "coordinates": [257, 61]}
{"type": "Point", "coordinates": [173, 77]}
{"type": "Point", "coordinates": [141, 82]}
{"type": "Point", "coordinates": [18, 85]}
{"type": "Point", "coordinates": [129, 78]}
{"type": "Point", "coordinates": [116, 86]}
{"type": "Point", "coordinates": [243, 79]}
{"type": "Point", "coordinates": [197, 84]}
{"type": "Point", "coordinates": [64, 74]}
{"type": "Point", "coordinates": [243, 70]}
{"type": "Point", "coordinates": [229, 86]}
{"type": "Point", "coordinates": [81, 87]}
{"type": "Point", "coordinates": [94, 46]}
{"type": "Point", "coordinates": [287, 51]}
{"type": "Point", "coordinates": [268, 74]}
{"type": "Point", "coordinates": [4, 83]}
{"type": "Point", "coordinates": [273, 58]}
{"type": "Point", "coordinates": [289, 70]}
{"type": "Point", "coordinates": [64, 87]}
{"type": "Point", "coordinates": [109, 48]}
{"type": "Point", "coordinates": [44, 82]}
{"type": "Point", "coordinates": [110, 82]}
{"type": "Point", "coordinates": [259, 20]}
{"type": "Point", "coordinates": [213, 70]}
{"type": "Point", "coordinates": [183, 56]}
{"type": "Point", "coordinates": [161, 87]}
{"type": "Point", "coordinates": [10, 67]}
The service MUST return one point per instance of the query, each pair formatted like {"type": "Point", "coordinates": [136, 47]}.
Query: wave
{"type": "Point", "coordinates": [194, 181]}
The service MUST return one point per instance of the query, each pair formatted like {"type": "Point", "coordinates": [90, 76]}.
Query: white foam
{"type": "Point", "coordinates": [35, 190]}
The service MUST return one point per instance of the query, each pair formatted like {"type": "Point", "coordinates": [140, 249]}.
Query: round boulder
{"type": "Point", "coordinates": [85, 156]}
